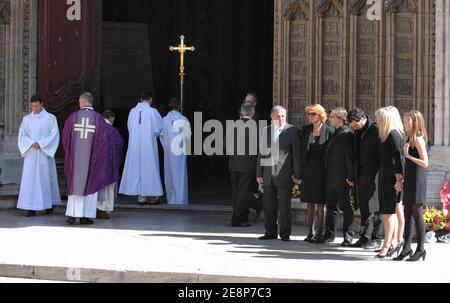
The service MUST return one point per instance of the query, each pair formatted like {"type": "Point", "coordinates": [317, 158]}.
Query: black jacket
{"type": "Point", "coordinates": [288, 164]}
{"type": "Point", "coordinates": [305, 134]}
{"type": "Point", "coordinates": [367, 154]}
{"type": "Point", "coordinates": [339, 158]}
{"type": "Point", "coordinates": [246, 162]}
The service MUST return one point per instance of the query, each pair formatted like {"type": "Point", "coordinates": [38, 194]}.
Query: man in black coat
{"type": "Point", "coordinates": [340, 177]}
{"type": "Point", "coordinates": [242, 163]}
{"type": "Point", "coordinates": [278, 167]}
{"type": "Point", "coordinates": [366, 147]}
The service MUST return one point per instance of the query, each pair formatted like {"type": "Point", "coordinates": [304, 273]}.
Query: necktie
{"type": "Point", "coordinates": [140, 117]}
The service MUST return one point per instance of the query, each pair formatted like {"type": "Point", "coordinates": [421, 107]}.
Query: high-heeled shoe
{"type": "Point", "coordinates": [417, 256]}
{"type": "Point", "coordinates": [381, 256]}
{"type": "Point", "coordinates": [404, 255]}
{"type": "Point", "coordinates": [393, 250]}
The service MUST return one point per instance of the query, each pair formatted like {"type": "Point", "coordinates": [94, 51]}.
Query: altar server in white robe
{"type": "Point", "coordinates": [175, 141]}
{"type": "Point", "coordinates": [141, 175]}
{"type": "Point", "coordinates": [38, 141]}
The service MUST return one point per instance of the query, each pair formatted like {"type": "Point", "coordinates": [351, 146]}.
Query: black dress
{"type": "Point", "coordinates": [415, 185]}
{"type": "Point", "coordinates": [313, 167]}
{"type": "Point", "coordinates": [391, 163]}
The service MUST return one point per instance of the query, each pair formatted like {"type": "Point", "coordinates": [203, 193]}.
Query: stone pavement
{"type": "Point", "coordinates": [161, 246]}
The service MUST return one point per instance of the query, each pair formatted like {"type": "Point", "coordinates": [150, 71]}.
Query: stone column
{"type": "Point", "coordinates": [20, 81]}
{"type": "Point", "coordinates": [442, 87]}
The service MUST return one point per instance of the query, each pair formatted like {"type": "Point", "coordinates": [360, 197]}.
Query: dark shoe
{"type": "Point", "coordinates": [285, 239]}
{"type": "Point", "coordinates": [86, 221]}
{"type": "Point", "coordinates": [346, 243]}
{"type": "Point", "coordinates": [266, 237]}
{"type": "Point", "coordinates": [360, 243]}
{"type": "Point", "coordinates": [154, 201]}
{"type": "Point", "coordinates": [417, 256]}
{"type": "Point", "coordinates": [317, 238]}
{"type": "Point", "coordinates": [103, 215]}
{"type": "Point", "coordinates": [404, 255]}
{"type": "Point", "coordinates": [309, 238]}
{"type": "Point", "coordinates": [71, 221]}
{"type": "Point", "coordinates": [374, 244]}
{"type": "Point", "coordinates": [326, 239]}
{"type": "Point", "coordinates": [49, 211]}
{"type": "Point", "coordinates": [242, 224]}
{"type": "Point", "coordinates": [30, 213]}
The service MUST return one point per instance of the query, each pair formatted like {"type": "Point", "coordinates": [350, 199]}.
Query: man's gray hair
{"type": "Point", "coordinates": [341, 113]}
{"type": "Point", "coordinates": [88, 98]}
{"type": "Point", "coordinates": [247, 110]}
{"type": "Point", "coordinates": [277, 109]}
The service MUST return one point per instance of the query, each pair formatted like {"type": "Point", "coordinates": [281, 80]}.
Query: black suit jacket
{"type": "Point", "coordinates": [367, 153]}
{"type": "Point", "coordinates": [339, 158]}
{"type": "Point", "coordinates": [280, 172]}
{"type": "Point", "coordinates": [246, 162]}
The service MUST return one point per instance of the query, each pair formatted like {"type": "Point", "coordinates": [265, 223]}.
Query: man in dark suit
{"type": "Point", "coordinates": [252, 99]}
{"type": "Point", "coordinates": [340, 177]}
{"type": "Point", "coordinates": [242, 164]}
{"type": "Point", "coordinates": [366, 147]}
{"type": "Point", "coordinates": [278, 167]}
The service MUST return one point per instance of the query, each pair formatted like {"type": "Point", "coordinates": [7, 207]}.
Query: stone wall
{"type": "Point", "coordinates": [328, 52]}
{"type": "Point", "coordinates": [18, 78]}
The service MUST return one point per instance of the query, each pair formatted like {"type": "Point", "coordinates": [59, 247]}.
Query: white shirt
{"type": "Point", "coordinates": [276, 133]}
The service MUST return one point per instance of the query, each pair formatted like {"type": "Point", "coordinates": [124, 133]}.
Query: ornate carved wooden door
{"type": "Point", "coordinates": [69, 53]}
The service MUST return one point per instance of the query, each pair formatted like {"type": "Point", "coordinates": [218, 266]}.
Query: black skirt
{"type": "Point", "coordinates": [313, 180]}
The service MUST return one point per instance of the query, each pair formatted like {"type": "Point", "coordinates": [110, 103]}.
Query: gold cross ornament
{"type": "Point", "coordinates": [182, 48]}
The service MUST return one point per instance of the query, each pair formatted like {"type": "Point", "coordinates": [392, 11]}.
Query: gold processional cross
{"type": "Point", "coordinates": [182, 48]}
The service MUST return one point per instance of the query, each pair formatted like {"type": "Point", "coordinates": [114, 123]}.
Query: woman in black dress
{"type": "Point", "coordinates": [390, 181]}
{"type": "Point", "coordinates": [415, 185]}
{"type": "Point", "coordinates": [314, 139]}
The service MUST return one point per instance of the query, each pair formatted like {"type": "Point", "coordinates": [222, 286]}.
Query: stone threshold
{"type": "Point", "coordinates": [92, 275]}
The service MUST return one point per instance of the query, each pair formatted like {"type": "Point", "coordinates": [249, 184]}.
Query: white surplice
{"type": "Point", "coordinates": [141, 175]}
{"type": "Point", "coordinates": [110, 197]}
{"type": "Point", "coordinates": [173, 138]}
{"type": "Point", "coordinates": [39, 189]}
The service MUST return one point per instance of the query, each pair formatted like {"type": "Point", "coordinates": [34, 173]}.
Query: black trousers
{"type": "Point", "coordinates": [242, 185]}
{"type": "Point", "coordinates": [277, 197]}
{"type": "Point", "coordinates": [370, 221]}
{"type": "Point", "coordinates": [339, 198]}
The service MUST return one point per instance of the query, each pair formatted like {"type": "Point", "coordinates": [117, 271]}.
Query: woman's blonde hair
{"type": "Point", "coordinates": [319, 110]}
{"type": "Point", "coordinates": [388, 119]}
{"type": "Point", "coordinates": [418, 128]}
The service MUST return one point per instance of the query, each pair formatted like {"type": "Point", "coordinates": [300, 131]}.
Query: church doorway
{"type": "Point", "coordinates": [233, 56]}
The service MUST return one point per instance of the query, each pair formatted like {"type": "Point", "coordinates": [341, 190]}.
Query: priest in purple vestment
{"type": "Point", "coordinates": [88, 158]}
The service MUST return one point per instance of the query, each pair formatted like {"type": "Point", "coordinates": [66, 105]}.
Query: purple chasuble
{"type": "Point", "coordinates": [86, 142]}
{"type": "Point", "coordinates": [116, 152]}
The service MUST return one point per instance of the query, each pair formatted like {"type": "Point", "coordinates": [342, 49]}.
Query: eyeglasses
{"type": "Point", "coordinates": [312, 114]}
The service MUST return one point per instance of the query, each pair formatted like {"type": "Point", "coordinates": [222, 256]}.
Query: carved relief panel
{"type": "Point", "coordinates": [328, 52]}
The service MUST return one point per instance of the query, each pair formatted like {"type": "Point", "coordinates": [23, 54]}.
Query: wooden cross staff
{"type": "Point", "coordinates": [182, 48]}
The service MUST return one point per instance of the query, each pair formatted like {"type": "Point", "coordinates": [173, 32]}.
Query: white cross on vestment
{"type": "Point", "coordinates": [84, 128]}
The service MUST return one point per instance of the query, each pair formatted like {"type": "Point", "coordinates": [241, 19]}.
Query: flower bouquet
{"type": "Point", "coordinates": [296, 191]}
{"type": "Point", "coordinates": [445, 197]}
{"type": "Point", "coordinates": [435, 220]}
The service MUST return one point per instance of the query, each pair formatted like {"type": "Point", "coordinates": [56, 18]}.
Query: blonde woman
{"type": "Point", "coordinates": [390, 176]}
{"type": "Point", "coordinates": [314, 138]}
{"type": "Point", "coordinates": [415, 185]}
